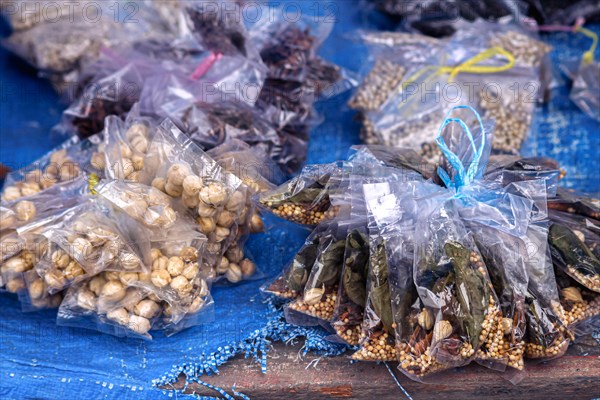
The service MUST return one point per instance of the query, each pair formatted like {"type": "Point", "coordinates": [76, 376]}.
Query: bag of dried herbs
{"type": "Point", "coordinates": [305, 199]}
{"type": "Point", "coordinates": [290, 283]}
{"type": "Point", "coordinates": [505, 169]}
{"type": "Point", "coordinates": [498, 221]}
{"type": "Point", "coordinates": [569, 201]}
{"type": "Point", "coordinates": [546, 336]}
{"type": "Point", "coordinates": [570, 254]}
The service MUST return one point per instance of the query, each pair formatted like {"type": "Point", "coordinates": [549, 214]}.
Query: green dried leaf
{"type": "Point", "coordinates": [472, 290]}
{"type": "Point", "coordinates": [379, 294]}
{"type": "Point", "coordinates": [301, 266]}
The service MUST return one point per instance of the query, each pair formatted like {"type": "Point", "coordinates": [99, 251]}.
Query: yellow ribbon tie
{"type": "Point", "coordinates": [93, 181]}
{"type": "Point", "coordinates": [588, 56]}
{"type": "Point", "coordinates": [471, 65]}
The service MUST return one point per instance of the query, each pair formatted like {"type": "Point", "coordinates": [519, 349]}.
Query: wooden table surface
{"type": "Point", "coordinates": [573, 376]}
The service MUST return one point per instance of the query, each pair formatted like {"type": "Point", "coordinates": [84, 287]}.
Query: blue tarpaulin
{"type": "Point", "coordinates": [41, 360]}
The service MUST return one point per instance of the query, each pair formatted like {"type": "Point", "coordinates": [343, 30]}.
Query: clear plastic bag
{"type": "Point", "coordinates": [321, 287]}
{"type": "Point", "coordinates": [586, 86]}
{"type": "Point", "coordinates": [145, 204]}
{"type": "Point", "coordinates": [20, 255]}
{"type": "Point", "coordinates": [91, 239]}
{"type": "Point", "coordinates": [42, 205]}
{"type": "Point", "coordinates": [290, 283]}
{"type": "Point", "coordinates": [36, 295]}
{"type": "Point", "coordinates": [218, 200]}
{"type": "Point", "coordinates": [212, 124]}
{"type": "Point", "coordinates": [306, 198]}
{"type": "Point", "coordinates": [126, 144]}
{"type": "Point", "coordinates": [65, 164]}
{"type": "Point", "coordinates": [573, 257]}
{"type": "Point", "coordinates": [60, 44]}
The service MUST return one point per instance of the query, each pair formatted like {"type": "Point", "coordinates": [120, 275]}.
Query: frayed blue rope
{"type": "Point", "coordinates": [397, 381]}
{"type": "Point", "coordinates": [256, 346]}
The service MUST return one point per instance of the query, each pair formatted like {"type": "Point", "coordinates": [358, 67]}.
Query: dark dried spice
{"type": "Point", "coordinates": [572, 255]}
{"type": "Point", "coordinates": [472, 290]}
{"type": "Point", "coordinates": [217, 30]}
{"type": "Point", "coordinates": [379, 290]}
{"type": "Point", "coordinates": [356, 267]}
{"type": "Point", "coordinates": [91, 119]}
{"type": "Point", "coordinates": [288, 53]}
{"type": "Point", "coordinates": [302, 266]}
{"type": "Point", "coordinates": [569, 202]}
{"type": "Point", "coordinates": [322, 75]}
{"type": "Point", "coordinates": [211, 124]}
{"type": "Point", "coordinates": [328, 266]}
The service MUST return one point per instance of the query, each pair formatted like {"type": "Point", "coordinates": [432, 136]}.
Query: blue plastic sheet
{"type": "Point", "coordinates": [40, 360]}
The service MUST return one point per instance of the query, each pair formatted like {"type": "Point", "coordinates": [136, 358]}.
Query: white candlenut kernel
{"type": "Point", "coordinates": [147, 309]}
{"type": "Point", "coordinates": [236, 201]}
{"type": "Point", "coordinates": [192, 185]}
{"type": "Point", "coordinates": [25, 210]}
{"type": "Point", "coordinates": [181, 285]}
{"type": "Point", "coordinates": [190, 201]}
{"type": "Point", "coordinates": [175, 266]}
{"type": "Point", "coordinates": [214, 194]}
{"type": "Point", "coordinates": [96, 284]}
{"type": "Point", "coordinates": [82, 247]}
{"type": "Point", "coordinates": [129, 261]}
{"type": "Point", "coordinates": [177, 173]}
{"type": "Point", "coordinates": [223, 265]}
{"type": "Point", "coordinates": [225, 219]}
{"type": "Point", "coordinates": [159, 183]}
{"type": "Point", "coordinates": [54, 279]}
{"type": "Point", "coordinates": [15, 264]}
{"type": "Point", "coordinates": [113, 291]}
{"type": "Point", "coordinates": [139, 143]}
{"type": "Point", "coordinates": [173, 190]}
{"type": "Point", "coordinates": [207, 225]}
{"type": "Point", "coordinates": [119, 315]}
{"type": "Point", "coordinates": [125, 150]}
{"type": "Point", "coordinates": [160, 278]}
{"type": "Point", "coordinates": [135, 130]}
{"type": "Point", "coordinates": [36, 289]}
{"type": "Point", "coordinates": [160, 263]}
{"type": "Point", "coordinates": [221, 233]}
{"type": "Point", "coordinates": [234, 254]}
{"type": "Point", "coordinates": [86, 300]}
{"type": "Point", "coordinates": [11, 193]}
{"type": "Point", "coordinates": [155, 254]}
{"type": "Point", "coordinates": [191, 271]}
{"type": "Point", "coordinates": [234, 273]}
{"type": "Point", "coordinates": [189, 253]}
{"type": "Point", "coordinates": [206, 211]}
{"type": "Point", "coordinates": [127, 278]}
{"type": "Point", "coordinates": [139, 324]}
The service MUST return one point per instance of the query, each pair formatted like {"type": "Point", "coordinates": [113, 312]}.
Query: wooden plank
{"type": "Point", "coordinates": [571, 376]}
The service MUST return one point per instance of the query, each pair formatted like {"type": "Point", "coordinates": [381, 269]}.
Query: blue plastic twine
{"type": "Point", "coordinates": [463, 177]}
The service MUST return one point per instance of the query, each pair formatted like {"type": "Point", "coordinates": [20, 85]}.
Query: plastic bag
{"type": "Point", "coordinates": [570, 254]}
{"type": "Point", "coordinates": [42, 205]}
{"type": "Point", "coordinates": [290, 283]}
{"type": "Point", "coordinates": [59, 45]}
{"type": "Point", "coordinates": [321, 287]}
{"type": "Point", "coordinates": [143, 203]}
{"type": "Point", "coordinates": [89, 240]}
{"type": "Point", "coordinates": [306, 198]}
{"type": "Point", "coordinates": [211, 124]}
{"type": "Point", "coordinates": [20, 255]}
{"type": "Point", "coordinates": [67, 163]}
{"type": "Point", "coordinates": [218, 200]}
{"type": "Point", "coordinates": [126, 144]}
{"type": "Point", "coordinates": [586, 86]}
{"type": "Point", "coordinates": [575, 203]}
{"type": "Point", "coordinates": [36, 295]}
{"type": "Point", "coordinates": [105, 304]}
